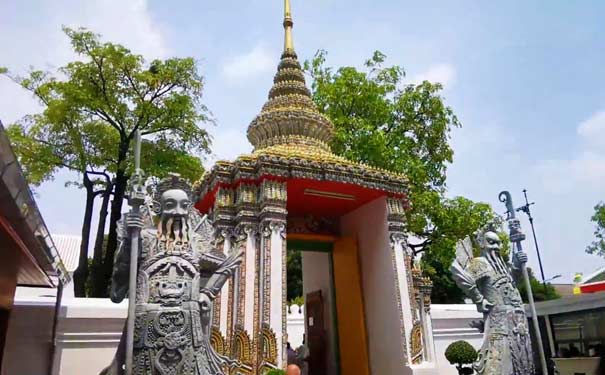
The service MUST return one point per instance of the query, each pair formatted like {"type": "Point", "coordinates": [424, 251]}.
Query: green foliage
{"type": "Point", "coordinates": [275, 372]}
{"type": "Point", "coordinates": [597, 247]}
{"type": "Point", "coordinates": [460, 353]}
{"type": "Point", "coordinates": [294, 272]}
{"type": "Point", "coordinates": [299, 300]}
{"type": "Point", "coordinates": [539, 290]}
{"type": "Point", "coordinates": [94, 106]}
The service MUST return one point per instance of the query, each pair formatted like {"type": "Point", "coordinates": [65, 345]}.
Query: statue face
{"type": "Point", "coordinates": [492, 242]}
{"type": "Point", "coordinates": [175, 203]}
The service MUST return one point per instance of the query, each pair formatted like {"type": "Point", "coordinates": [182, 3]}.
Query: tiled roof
{"type": "Point", "coordinates": [596, 276]}
{"type": "Point", "coordinates": [69, 250]}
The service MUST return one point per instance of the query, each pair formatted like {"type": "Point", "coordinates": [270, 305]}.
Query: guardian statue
{"type": "Point", "coordinates": [488, 281]}
{"type": "Point", "coordinates": [179, 275]}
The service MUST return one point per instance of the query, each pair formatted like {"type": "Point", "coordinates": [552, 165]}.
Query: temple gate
{"type": "Point", "coordinates": [292, 191]}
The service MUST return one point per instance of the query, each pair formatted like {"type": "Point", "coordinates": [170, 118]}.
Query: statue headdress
{"type": "Point", "coordinates": [173, 181]}
{"type": "Point", "coordinates": [494, 225]}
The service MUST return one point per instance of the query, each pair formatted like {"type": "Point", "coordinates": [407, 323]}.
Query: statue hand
{"type": "Point", "coordinates": [205, 302]}
{"type": "Point", "coordinates": [484, 306]}
{"type": "Point", "coordinates": [134, 220]}
{"type": "Point", "coordinates": [521, 257]}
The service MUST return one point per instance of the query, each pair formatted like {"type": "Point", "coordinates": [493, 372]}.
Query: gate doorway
{"type": "Point", "coordinates": [334, 321]}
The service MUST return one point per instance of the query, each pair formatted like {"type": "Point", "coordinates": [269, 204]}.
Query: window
{"type": "Point", "coordinates": [579, 334]}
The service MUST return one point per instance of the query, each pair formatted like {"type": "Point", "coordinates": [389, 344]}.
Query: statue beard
{"type": "Point", "coordinates": [174, 229]}
{"type": "Point", "coordinates": [496, 261]}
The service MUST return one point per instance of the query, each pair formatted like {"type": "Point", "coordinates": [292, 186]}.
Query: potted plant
{"type": "Point", "coordinates": [461, 354]}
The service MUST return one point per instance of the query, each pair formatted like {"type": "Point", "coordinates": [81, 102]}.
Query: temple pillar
{"type": "Point", "coordinates": [404, 294]}
{"type": "Point", "coordinates": [240, 321]}
{"type": "Point", "coordinates": [223, 218]}
{"type": "Point", "coordinates": [272, 271]}
{"type": "Point", "coordinates": [221, 307]}
{"type": "Point", "coordinates": [427, 324]}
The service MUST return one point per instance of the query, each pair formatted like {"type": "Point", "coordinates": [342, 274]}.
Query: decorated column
{"type": "Point", "coordinates": [405, 296]}
{"type": "Point", "coordinates": [223, 216]}
{"type": "Point", "coordinates": [273, 288]}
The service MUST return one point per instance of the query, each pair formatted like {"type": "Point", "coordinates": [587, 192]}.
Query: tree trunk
{"type": "Point", "coordinates": [99, 286]}
{"type": "Point", "coordinates": [81, 273]}
{"type": "Point", "coordinates": [120, 185]}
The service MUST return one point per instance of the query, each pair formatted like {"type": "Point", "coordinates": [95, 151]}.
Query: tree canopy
{"type": "Point", "coordinates": [92, 108]}
{"type": "Point", "coordinates": [597, 246]}
{"type": "Point", "coordinates": [541, 291]}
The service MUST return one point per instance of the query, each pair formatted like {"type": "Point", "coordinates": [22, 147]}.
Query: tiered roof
{"type": "Point", "coordinates": [291, 138]}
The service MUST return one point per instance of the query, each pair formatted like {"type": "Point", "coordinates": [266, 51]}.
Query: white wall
{"type": "Point", "coordinates": [451, 323]}
{"type": "Point", "coordinates": [317, 276]}
{"type": "Point", "coordinates": [89, 331]}
{"type": "Point", "coordinates": [29, 335]}
{"type": "Point", "coordinates": [296, 325]}
{"type": "Point", "coordinates": [369, 225]}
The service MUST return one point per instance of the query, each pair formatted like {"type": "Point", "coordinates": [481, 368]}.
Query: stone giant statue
{"type": "Point", "coordinates": [179, 276]}
{"type": "Point", "coordinates": [488, 281]}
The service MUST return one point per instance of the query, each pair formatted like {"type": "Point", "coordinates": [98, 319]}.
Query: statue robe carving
{"type": "Point", "coordinates": [179, 275]}
{"type": "Point", "coordinates": [488, 281]}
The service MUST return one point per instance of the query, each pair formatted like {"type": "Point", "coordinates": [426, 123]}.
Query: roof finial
{"type": "Point", "coordinates": [290, 117]}
{"type": "Point", "coordinates": [288, 23]}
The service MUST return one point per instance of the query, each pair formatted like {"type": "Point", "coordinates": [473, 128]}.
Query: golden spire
{"type": "Point", "coordinates": [289, 117]}
{"type": "Point", "coordinates": [288, 23]}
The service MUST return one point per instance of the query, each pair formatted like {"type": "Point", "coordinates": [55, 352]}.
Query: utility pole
{"type": "Point", "coordinates": [527, 211]}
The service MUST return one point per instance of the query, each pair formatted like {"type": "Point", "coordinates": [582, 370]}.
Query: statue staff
{"type": "Point", "coordinates": [136, 198]}
{"type": "Point", "coordinates": [516, 236]}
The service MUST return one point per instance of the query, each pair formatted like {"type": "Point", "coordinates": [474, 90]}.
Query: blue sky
{"type": "Point", "coordinates": [525, 79]}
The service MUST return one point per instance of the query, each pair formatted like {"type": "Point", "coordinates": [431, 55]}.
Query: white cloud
{"type": "Point", "coordinates": [259, 60]}
{"type": "Point", "coordinates": [41, 44]}
{"type": "Point", "coordinates": [593, 129]}
{"type": "Point", "coordinates": [585, 171]}
{"type": "Point", "coordinates": [442, 73]}
{"type": "Point", "coordinates": [585, 168]}
{"type": "Point", "coordinates": [227, 144]}
{"type": "Point", "coordinates": [126, 22]}
{"type": "Point", "coordinates": [489, 158]}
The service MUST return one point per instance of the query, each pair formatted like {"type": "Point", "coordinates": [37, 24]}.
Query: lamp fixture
{"type": "Point", "coordinates": [329, 194]}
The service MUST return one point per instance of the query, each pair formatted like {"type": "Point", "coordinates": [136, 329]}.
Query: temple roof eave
{"type": "Point", "coordinates": [257, 167]}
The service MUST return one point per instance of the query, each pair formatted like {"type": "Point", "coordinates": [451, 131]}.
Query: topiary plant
{"type": "Point", "coordinates": [461, 353]}
{"type": "Point", "coordinates": [275, 372]}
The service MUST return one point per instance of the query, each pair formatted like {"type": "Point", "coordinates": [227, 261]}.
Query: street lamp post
{"type": "Point", "coordinates": [552, 278]}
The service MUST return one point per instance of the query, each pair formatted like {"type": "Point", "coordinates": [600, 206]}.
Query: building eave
{"type": "Point", "coordinates": [21, 213]}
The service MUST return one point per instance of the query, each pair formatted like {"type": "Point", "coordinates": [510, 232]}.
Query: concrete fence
{"type": "Point", "coordinates": [88, 332]}
{"type": "Point", "coordinates": [296, 325]}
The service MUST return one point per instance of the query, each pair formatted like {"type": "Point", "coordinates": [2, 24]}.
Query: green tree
{"type": "Point", "coordinates": [597, 246]}
{"type": "Point", "coordinates": [540, 291]}
{"type": "Point", "coordinates": [451, 220]}
{"type": "Point", "coordinates": [294, 272]}
{"type": "Point", "coordinates": [461, 354]}
{"type": "Point", "coordinates": [385, 122]}
{"type": "Point", "coordinates": [92, 109]}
